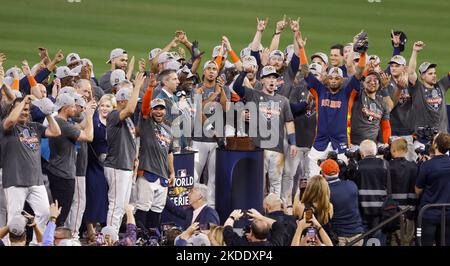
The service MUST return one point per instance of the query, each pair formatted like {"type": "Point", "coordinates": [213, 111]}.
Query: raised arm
{"type": "Point", "coordinates": [12, 119]}
{"type": "Point", "coordinates": [131, 105]}
{"type": "Point", "coordinates": [87, 134]}
{"type": "Point", "coordinates": [276, 36]}
{"type": "Point", "coordinates": [412, 75]}
{"type": "Point", "coordinates": [261, 26]}
{"type": "Point", "coordinates": [233, 57]}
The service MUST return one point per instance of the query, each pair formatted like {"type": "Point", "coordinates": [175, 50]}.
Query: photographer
{"type": "Point", "coordinates": [346, 223]}
{"type": "Point", "coordinates": [433, 185]}
{"type": "Point", "coordinates": [371, 177]}
{"type": "Point", "coordinates": [403, 176]}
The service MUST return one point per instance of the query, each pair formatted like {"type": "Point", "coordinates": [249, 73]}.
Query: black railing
{"type": "Point", "coordinates": [379, 226]}
{"type": "Point", "coordinates": [443, 206]}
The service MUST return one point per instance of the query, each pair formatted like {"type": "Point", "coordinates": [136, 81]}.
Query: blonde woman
{"type": "Point", "coordinates": [315, 201]}
{"type": "Point", "coordinates": [96, 185]}
{"type": "Point", "coordinates": [215, 236]}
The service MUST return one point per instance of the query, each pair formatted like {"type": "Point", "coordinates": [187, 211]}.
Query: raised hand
{"type": "Point", "coordinates": [2, 58]}
{"type": "Point", "coordinates": [142, 65]}
{"type": "Point", "coordinates": [226, 43]}
{"type": "Point", "coordinates": [139, 80]}
{"type": "Point", "coordinates": [385, 79]}
{"type": "Point", "coordinates": [181, 36]}
{"type": "Point", "coordinates": [55, 210]}
{"type": "Point", "coordinates": [281, 25]}
{"type": "Point", "coordinates": [395, 39]}
{"type": "Point", "coordinates": [26, 68]}
{"type": "Point", "coordinates": [261, 24]}
{"type": "Point", "coordinates": [220, 82]}
{"type": "Point", "coordinates": [2, 76]}
{"type": "Point", "coordinates": [295, 25]}
{"type": "Point", "coordinates": [58, 57]}
{"type": "Point", "coordinates": [418, 46]}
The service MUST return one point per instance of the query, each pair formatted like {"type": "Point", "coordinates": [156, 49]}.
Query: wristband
{"type": "Point", "coordinates": [291, 139]}
{"type": "Point", "coordinates": [232, 218]}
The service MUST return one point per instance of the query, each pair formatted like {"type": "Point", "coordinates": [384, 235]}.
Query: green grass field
{"type": "Point", "coordinates": [93, 27]}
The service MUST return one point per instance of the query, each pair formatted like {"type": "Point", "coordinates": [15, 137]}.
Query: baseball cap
{"type": "Point", "coordinates": [374, 57]}
{"type": "Point", "coordinates": [322, 56]}
{"type": "Point", "coordinates": [245, 52]}
{"type": "Point", "coordinates": [9, 72]}
{"type": "Point", "coordinates": [289, 52]}
{"type": "Point", "coordinates": [173, 64]}
{"type": "Point", "coordinates": [17, 225]}
{"type": "Point", "coordinates": [425, 66]}
{"type": "Point", "coordinates": [67, 89]}
{"type": "Point", "coordinates": [249, 61]}
{"type": "Point", "coordinates": [17, 93]}
{"type": "Point", "coordinates": [164, 57]}
{"type": "Point", "coordinates": [209, 63]}
{"type": "Point", "coordinates": [45, 105]}
{"type": "Point", "coordinates": [185, 70]}
{"type": "Point", "coordinates": [79, 100]}
{"type": "Point", "coordinates": [216, 50]}
{"type": "Point", "coordinates": [398, 59]}
{"type": "Point", "coordinates": [63, 71]}
{"type": "Point", "coordinates": [117, 76]}
{"type": "Point", "coordinates": [315, 68]}
{"type": "Point", "coordinates": [198, 240]}
{"type": "Point", "coordinates": [111, 231]}
{"type": "Point", "coordinates": [176, 56]}
{"type": "Point", "coordinates": [158, 102]}
{"type": "Point", "coordinates": [276, 53]}
{"type": "Point", "coordinates": [77, 69]}
{"type": "Point", "coordinates": [63, 100]}
{"type": "Point", "coordinates": [116, 53]}
{"type": "Point", "coordinates": [336, 71]}
{"type": "Point", "coordinates": [329, 167]}
{"type": "Point", "coordinates": [123, 94]}
{"type": "Point", "coordinates": [153, 53]}
{"type": "Point", "coordinates": [72, 57]}
{"type": "Point", "coordinates": [269, 71]}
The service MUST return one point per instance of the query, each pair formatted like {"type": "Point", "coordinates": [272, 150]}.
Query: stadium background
{"type": "Point", "coordinates": [94, 27]}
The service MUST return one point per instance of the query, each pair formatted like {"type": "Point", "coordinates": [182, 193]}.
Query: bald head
{"type": "Point", "coordinates": [259, 229]}
{"type": "Point", "coordinates": [272, 202]}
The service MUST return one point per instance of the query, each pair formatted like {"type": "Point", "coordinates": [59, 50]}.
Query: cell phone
{"type": "Point", "coordinates": [204, 226]}
{"type": "Point", "coordinates": [311, 233]}
{"type": "Point", "coordinates": [308, 215]}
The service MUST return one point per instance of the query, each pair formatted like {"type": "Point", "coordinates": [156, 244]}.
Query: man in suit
{"type": "Point", "coordinates": [199, 211]}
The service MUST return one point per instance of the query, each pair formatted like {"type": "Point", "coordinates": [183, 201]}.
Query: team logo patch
{"type": "Point", "coordinates": [269, 110]}
{"type": "Point", "coordinates": [433, 98]}
{"type": "Point", "coordinates": [404, 96]}
{"type": "Point", "coordinates": [373, 112]}
{"type": "Point", "coordinates": [29, 139]}
{"type": "Point", "coordinates": [163, 137]}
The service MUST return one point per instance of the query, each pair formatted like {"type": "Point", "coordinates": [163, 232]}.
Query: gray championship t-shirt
{"type": "Point", "coordinates": [366, 116]}
{"type": "Point", "coordinates": [21, 155]}
{"type": "Point", "coordinates": [210, 109]}
{"type": "Point", "coordinates": [429, 105]}
{"type": "Point", "coordinates": [121, 138]}
{"type": "Point", "coordinates": [63, 150]}
{"type": "Point", "coordinates": [401, 116]}
{"type": "Point", "coordinates": [271, 109]}
{"type": "Point", "coordinates": [305, 121]}
{"type": "Point", "coordinates": [156, 144]}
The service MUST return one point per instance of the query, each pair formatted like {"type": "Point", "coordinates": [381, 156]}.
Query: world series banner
{"type": "Point", "coordinates": [184, 181]}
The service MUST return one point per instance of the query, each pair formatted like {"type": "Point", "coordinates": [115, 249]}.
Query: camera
{"type": "Point", "coordinates": [385, 151]}
{"type": "Point", "coordinates": [308, 212]}
{"type": "Point", "coordinates": [353, 154]}
{"type": "Point", "coordinates": [425, 135]}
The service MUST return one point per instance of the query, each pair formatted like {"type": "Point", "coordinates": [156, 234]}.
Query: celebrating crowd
{"type": "Point", "coordinates": [341, 134]}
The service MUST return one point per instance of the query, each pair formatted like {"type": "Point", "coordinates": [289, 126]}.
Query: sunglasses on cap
{"type": "Point", "coordinates": [180, 93]}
